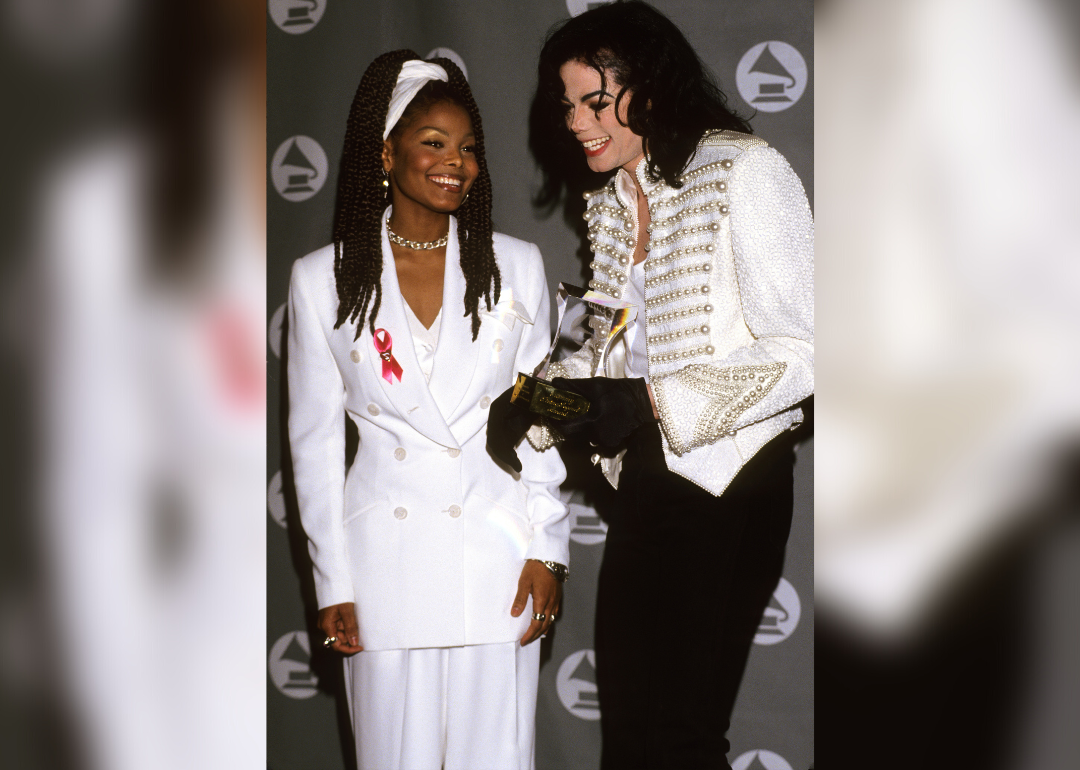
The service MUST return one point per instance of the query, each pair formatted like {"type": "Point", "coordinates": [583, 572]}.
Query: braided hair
{"type": "Point", "coordinates": [360, 202]}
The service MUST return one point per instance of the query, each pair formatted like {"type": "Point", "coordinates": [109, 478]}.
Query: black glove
{"type": "Point", "coordinates": [617, 407]}
{"type": "Point", "coordinates": [507, 423]}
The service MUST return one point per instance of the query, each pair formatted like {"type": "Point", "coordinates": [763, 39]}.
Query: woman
{"type": "Point", "coordinates": [707, 230]}
{"type": "Point", "coordinates": [434, 567]}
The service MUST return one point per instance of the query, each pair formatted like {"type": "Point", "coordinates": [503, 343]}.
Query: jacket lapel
{"type": "Point", "coordinates": [411, 396]}
{"type": "Point", "coordinates": [455, 355]}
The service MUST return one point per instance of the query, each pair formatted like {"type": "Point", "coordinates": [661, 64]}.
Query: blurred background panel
{"type": "Point", "coordinates": [947, 533]}
{"type": "Point", "coordinates": [133, 235]}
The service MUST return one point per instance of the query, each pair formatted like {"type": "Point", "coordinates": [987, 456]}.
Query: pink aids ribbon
{"type": "Point", "coordinates": [384, 343]}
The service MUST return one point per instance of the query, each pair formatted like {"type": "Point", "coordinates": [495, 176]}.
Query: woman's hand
{"type": "Point", "coordinates": [339, 620]}
{"type": "Point", "coordinates": [546, 591]}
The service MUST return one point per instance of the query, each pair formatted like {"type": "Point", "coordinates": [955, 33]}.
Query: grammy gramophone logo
{"type": "Point", "coordinates": [276, 329]}
{"type": "Point", "coordinates": [771, 76]}
{"type": "Point", "coordinates": [290, 666]}
{"type": "Point", "coordinates": [296, 16]}
{"type": "Point", "coordinates": [781, 616]}
{"type": "Point", "coordinates": [299, 168]}
{"type": "Point", "coordinates": [578, 7]}
{"type": "Point", "coordinates": [576, 685]}
{"type": "Point", "coordinates": [586, 526]}
{"type": "Point", "coordinates": [452, 55]}
{"type": "Point", "coordinates": [275, 500]}
{"type": "Point", "coordinates": [760, 759]}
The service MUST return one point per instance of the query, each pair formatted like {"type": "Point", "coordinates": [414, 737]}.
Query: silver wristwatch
{"type": "Point", "coordinates": [560, 571]}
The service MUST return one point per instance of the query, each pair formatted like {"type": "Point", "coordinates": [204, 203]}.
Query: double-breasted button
{"type": "Point", "coordinates": [497, 345]}
{"type": "Point", "coordinates": [355, 356]}
{"type": "Point", "coordinates": [485, 402]}
{"type": "Point", "coordinates": [373, 410]}
{"type": "Point", "coordinates": [455, 511]}
{"type": "Point", "coordinates": [453, 452]}
{"type": "Point", "coordinates": [399, 453]}
{"type": "Point", "coordinates": [400, 513]}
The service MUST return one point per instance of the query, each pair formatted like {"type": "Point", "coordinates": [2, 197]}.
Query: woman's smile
{"type": "Point", "coordinates": [449, 183]}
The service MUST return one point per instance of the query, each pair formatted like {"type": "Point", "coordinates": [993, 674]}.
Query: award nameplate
{"type": "Point", "coordinates": [577, 309]}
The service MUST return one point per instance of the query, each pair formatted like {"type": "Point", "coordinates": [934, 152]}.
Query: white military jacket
{"type": "Point", "coordinates": [729, 303]}
{"type": "Point", "coordinates": [425, 533]}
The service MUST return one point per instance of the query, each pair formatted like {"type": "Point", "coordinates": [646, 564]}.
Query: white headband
{"type": "Point", "coordinates": [414, 74]}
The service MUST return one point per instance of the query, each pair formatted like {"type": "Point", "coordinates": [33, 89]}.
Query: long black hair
{"type": "Point", "coordinates": [361, 195]}
{"type": "Point", "coordinates": [673, 98]}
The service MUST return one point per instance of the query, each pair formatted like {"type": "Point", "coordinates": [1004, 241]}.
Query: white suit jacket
{"type": "Point", "coordinates": [425, 532]}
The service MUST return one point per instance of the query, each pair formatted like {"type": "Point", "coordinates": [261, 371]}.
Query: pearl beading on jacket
{"type": "Point", "coordinates": [730, 345]}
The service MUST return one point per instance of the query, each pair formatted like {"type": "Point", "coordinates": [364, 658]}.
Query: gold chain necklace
{"type": "Point", "coordinates": [422, 245]}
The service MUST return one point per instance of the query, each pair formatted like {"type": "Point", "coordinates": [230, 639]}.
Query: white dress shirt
{"type": "Point", "coordinates": [425, 339]}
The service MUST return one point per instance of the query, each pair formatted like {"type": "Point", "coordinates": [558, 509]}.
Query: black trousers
{"type": "Point", "coordinates": [684, 581]}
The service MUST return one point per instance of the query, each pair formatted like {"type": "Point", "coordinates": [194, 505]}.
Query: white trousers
{"type": "Point", "coordinates": [456, 708]}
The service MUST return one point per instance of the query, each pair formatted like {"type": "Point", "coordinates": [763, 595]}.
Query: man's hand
{"type": "Point", "coordinates": [617, 407]}
{"type": "Point", "coordinates": [507, 423]}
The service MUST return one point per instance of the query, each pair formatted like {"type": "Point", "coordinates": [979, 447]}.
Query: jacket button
{"type": "Point", "coordinates": [497, 345]}
{"type": "Point", "coordinates": [453, 452]}
{"type": "Point", "coordinates": [485, 402]}
{"type": "Point", "coordinates": [400, 513]}
{"type": "Point", "coordinates": [455, 511]}
{"type": "Point", "coordinates": [355, 356]}
{"type": "Point", "coordinates": [399, 453]}
{"type": "Point", "coordinates": [372, 410]}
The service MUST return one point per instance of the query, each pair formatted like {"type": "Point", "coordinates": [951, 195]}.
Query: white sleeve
{"type": "Point", "coordinates": [317, 440]}
{"type": "Point", "coordinates": [542, 472]}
